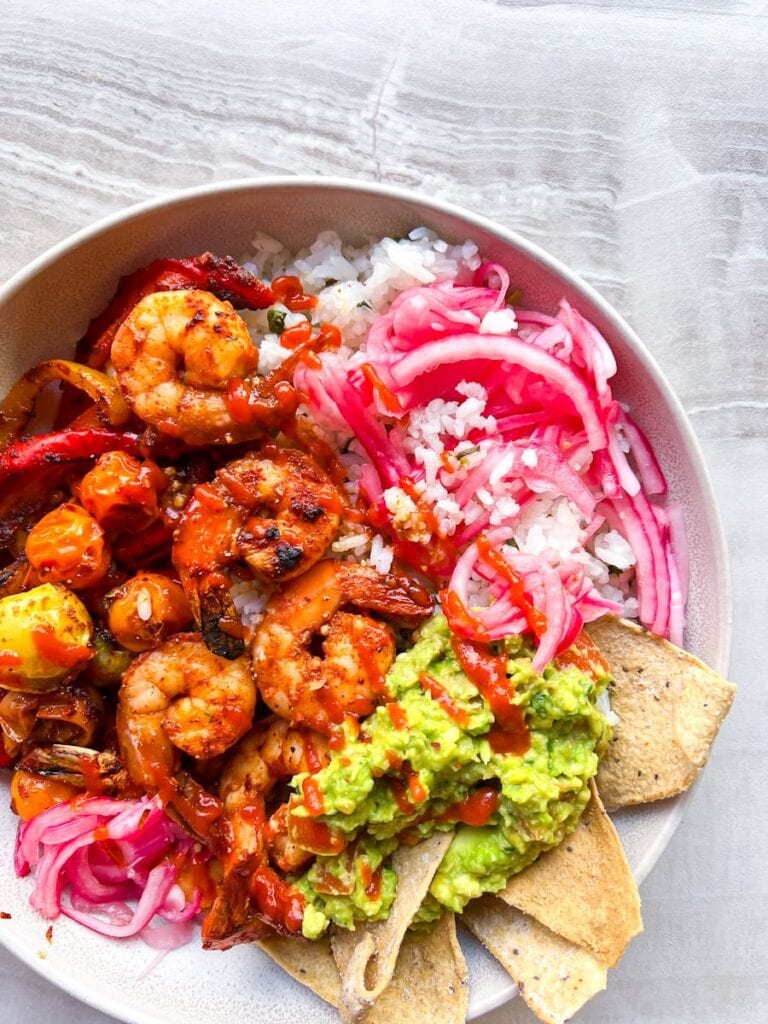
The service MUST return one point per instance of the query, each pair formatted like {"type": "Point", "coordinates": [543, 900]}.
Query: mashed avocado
{"type": "Point", "coordinates": [420, 760]}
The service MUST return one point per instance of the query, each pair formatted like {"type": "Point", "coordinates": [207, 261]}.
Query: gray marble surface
{"type": "Point", "coordinates": [628, 138]}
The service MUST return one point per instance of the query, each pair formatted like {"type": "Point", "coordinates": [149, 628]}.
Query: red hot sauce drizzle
{"type": "Point", "coordinates": [476, 809]}
{"type": "Point", "coordinates": [288, 290]}
{"type": "Point", "coordinates": [441, 696]}
{"type": "Point", "coordinates": [54, 650]}
{"type": "Point", "coordinates": [279, 903]}
{"type": "Point", "coordinates": [373, 889]}
{"type": "Point", "coordinates": [586, 656]}
{"type": "Point", "coordinates": [317, 836]}
{"type": "Point", "coordinates": [313, 797]}
{"type": "Point", "coordinates": [397, 714]}
{"type": "Point", "coordinates": [536, 620]}
{"type": "Point", "coordinates": [408, 792]}
{"type": "Point", "coordinates": [488, 672]}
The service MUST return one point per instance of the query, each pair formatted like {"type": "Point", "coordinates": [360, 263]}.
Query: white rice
{"type": "Point", "coordinates": [250, 599]}
{"type": "Point", "coordinates": [354, 286]}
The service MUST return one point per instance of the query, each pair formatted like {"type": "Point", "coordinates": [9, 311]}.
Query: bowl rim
{"type": "Point", "coordinates": [721, 569]}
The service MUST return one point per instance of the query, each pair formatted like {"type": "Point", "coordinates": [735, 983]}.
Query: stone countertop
{"type": "Point", "coordinates": [629, 139]}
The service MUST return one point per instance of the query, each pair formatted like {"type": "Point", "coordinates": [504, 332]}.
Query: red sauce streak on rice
{"type": "Point", "coordinates": [297, 335]}
{"type": "Point", "coordinates": [288, 291]}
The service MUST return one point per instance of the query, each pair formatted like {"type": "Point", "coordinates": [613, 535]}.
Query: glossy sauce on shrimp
{"type": "Point", "coordinates": [166, 481]}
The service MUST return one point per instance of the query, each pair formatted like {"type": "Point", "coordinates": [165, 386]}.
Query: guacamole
{"type": "Point", "coordinates": [427, 760]}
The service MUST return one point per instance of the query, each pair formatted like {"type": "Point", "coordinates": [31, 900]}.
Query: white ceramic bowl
{"type": "Point", "coordinates": [46, 307]}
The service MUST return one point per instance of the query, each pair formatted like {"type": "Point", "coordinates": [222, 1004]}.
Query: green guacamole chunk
{"type": "Point", "coordinates": [418, 757]}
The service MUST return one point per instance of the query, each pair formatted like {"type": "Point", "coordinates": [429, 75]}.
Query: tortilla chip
{"type": "Point", "coordinates": [430, 982]}
{"type": "Point", "coordinates": [311, 963]}
{"type": "Point", "coordinates": [367, 956]}
{"type": "Point", "coordinates": [583, 889]}
{"type": "Point", "coordinates": [670, 705]}
{"type": "Point", "coordinates": [555, 977]}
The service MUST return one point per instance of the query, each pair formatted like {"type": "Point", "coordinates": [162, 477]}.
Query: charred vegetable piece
{"type": "Point", "coordinates": [19, 404]}
{"type": "Point", "coordinates": [68, 546]}
{"type": "Point", "coordinates": [146, 610]}
{"type": "Point", "coordinates": [121, 492]}
{"type": "Point", "coordinates": [45, 638]}
{"type": "Point", "coordinates": [80, 767]}
{"type": "Point", "coordinates": [39, 453]}
{"type": "Point", "coordinates": [110, 660]}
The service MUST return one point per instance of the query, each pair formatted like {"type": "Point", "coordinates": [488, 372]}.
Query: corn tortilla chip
{"type": "Point", "coordinates": [430, 982]}
{"type": "Point", "coordinates": [366, 957]}
{"type": "Point", "coordinates": [583, 889]}
{"type": "Point", "coordinates": [311, 963]}
{"type": "Point", "coordinates": [670, 705]}
{"type": "Point", "coordinates": [555, 977]}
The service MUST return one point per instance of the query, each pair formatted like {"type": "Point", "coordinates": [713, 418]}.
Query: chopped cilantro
{"type": "Point", "coordinates": [467, 451]}
{"type": "Point", "coordinates": [276, 320]}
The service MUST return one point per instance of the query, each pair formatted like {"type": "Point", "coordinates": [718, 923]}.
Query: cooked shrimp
{"type": "Point", "coordinates": [217, 396]}
{"type": "Point", "coordinates": [273, 750]}
{"type": "Point", "coordinates": [276, 510]}
{"type": "Point", "coordinates": [181, 697]}
{"type": "Point", "coordinates": [199, 332]}
{"type": "Point", "coordinates": [357, 650]}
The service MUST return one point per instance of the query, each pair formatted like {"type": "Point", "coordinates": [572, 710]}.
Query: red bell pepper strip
{"type": "Point", "coordinates": [35, 453]}
{"type": "Point", "coordinates": [218, 274]}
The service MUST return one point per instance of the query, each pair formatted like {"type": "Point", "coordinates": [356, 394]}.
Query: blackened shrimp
{"type": "Point", "coordinates": [347, 679]}
{"type": "Point", "coordinates": [181, 697]}
{"type": "Point", "coordinates": [277, 511]}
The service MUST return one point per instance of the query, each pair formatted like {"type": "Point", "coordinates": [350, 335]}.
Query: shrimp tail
{"type": "Point", "coordinates": [233, 917]}
{"type": "Point", "coordinates": [199, 812]}
{"type": "Point", "coordinates": [78, 766]}
{"type": "Point", "coordinates": [219, 621]}
{"type": "Point", "coordinates": [394, 595]}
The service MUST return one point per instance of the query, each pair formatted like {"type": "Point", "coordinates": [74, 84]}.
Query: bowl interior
{"type": "Point", "coordinates": [46, 308]}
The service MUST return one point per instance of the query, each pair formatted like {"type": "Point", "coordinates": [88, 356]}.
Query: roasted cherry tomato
{"type": "Point", "coordinates": [32, 794]}
{"type": "Point", "coordinates": [68, 546]}
{"type": "Point", "coordinates": [121, 492]}
{"type": "Point", "coordinates": [146, 610]}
